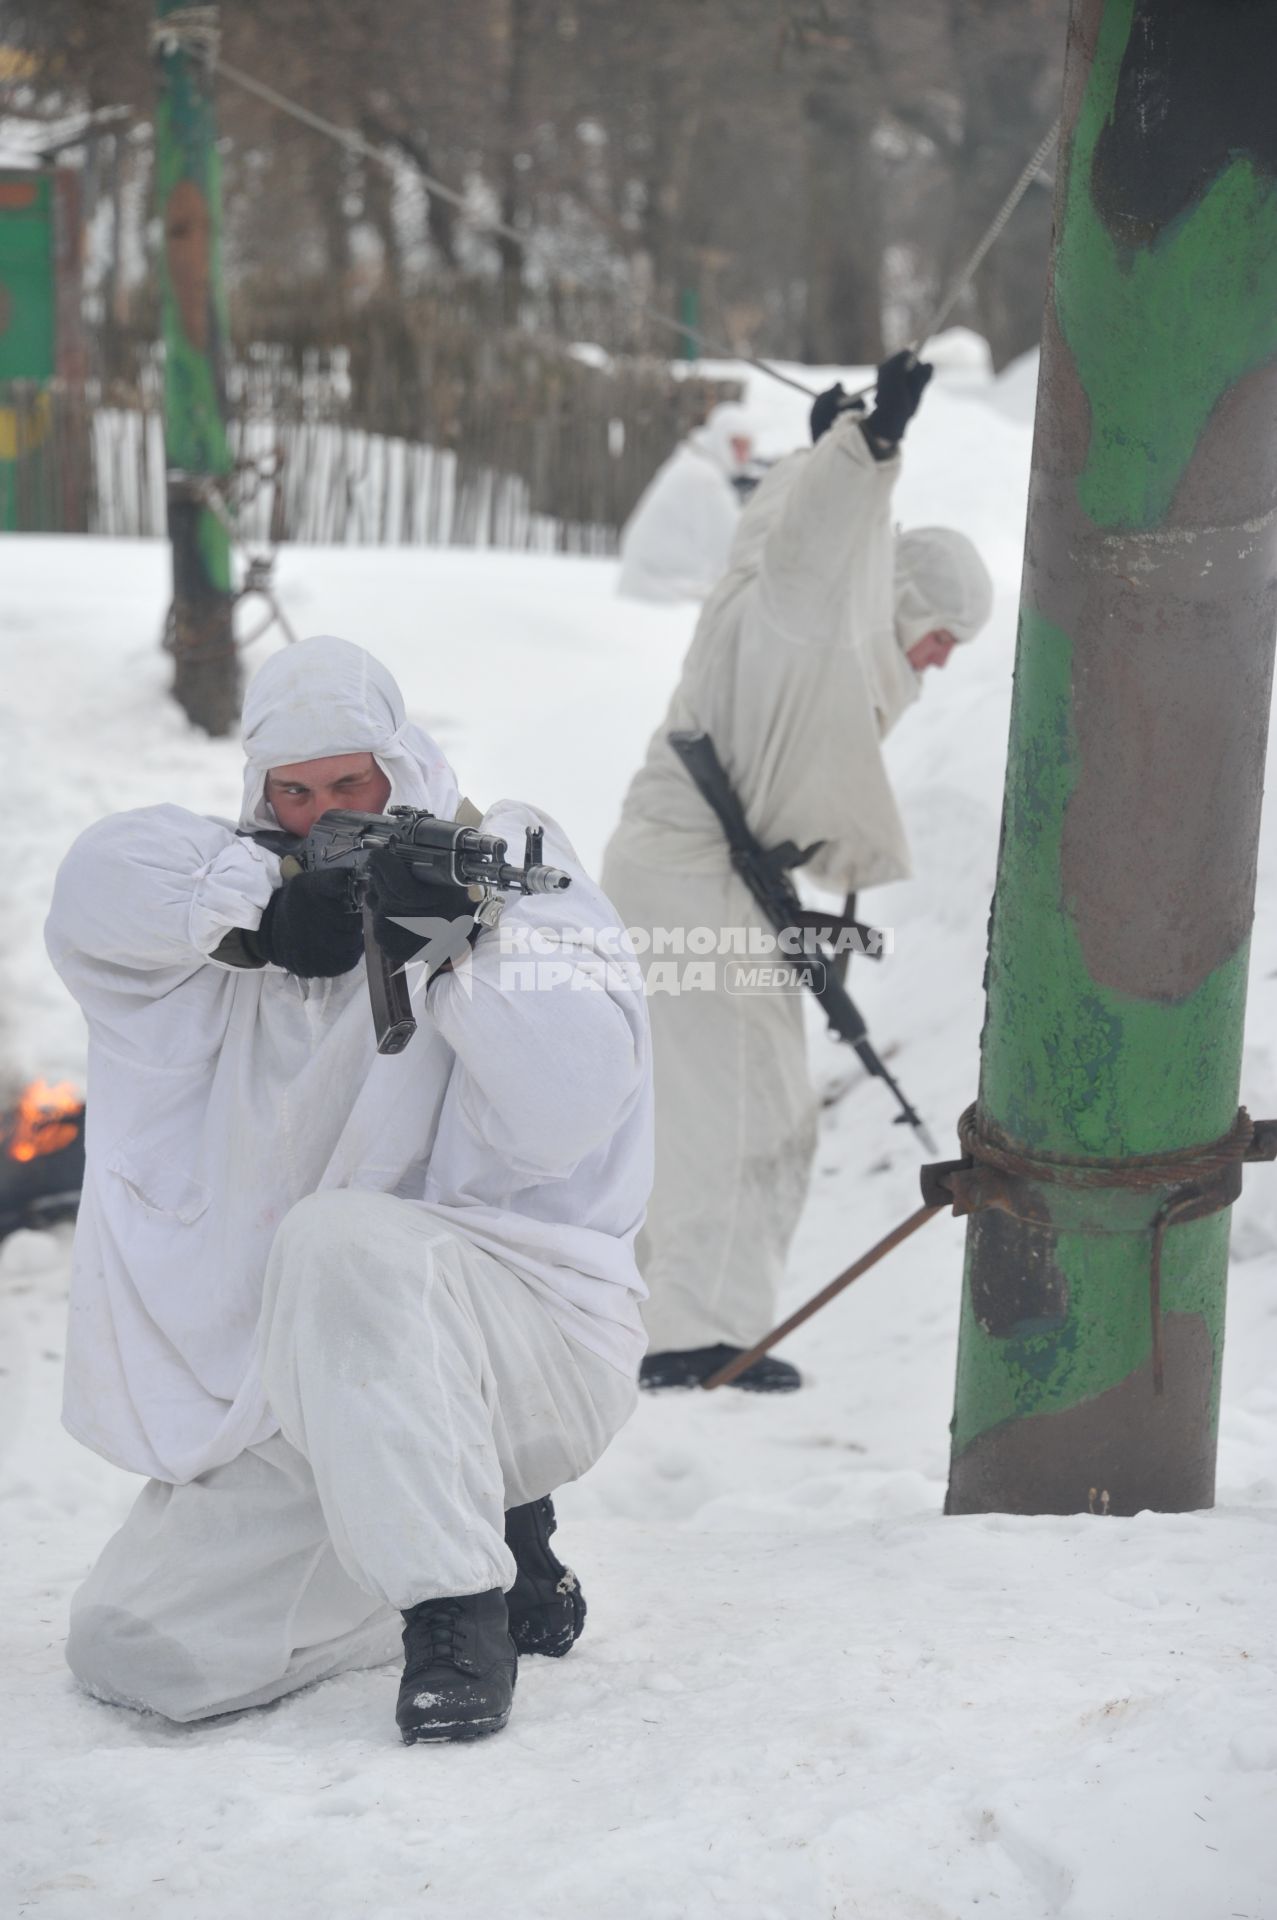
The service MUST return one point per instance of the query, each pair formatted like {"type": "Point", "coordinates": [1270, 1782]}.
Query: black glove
{"type": "Point", "coordinates": [310, 927]}
{"type": "Point", "coordinates": [900, 386]}
{"type": "Point", "coordinates": [826, 407]}
{"type": "Point", "coordinates": [396, 894]}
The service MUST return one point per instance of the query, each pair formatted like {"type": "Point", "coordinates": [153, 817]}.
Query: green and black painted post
{"type": "Point", "coordinates": [1120, 935]}
{"type": "Point", "coordinates": [197, 451]}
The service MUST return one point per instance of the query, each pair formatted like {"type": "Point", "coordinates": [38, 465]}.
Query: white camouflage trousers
{"type": "Point", "coordinates": [736, 1122]}
{"type": "Point", "coordinates": [421, 1389]}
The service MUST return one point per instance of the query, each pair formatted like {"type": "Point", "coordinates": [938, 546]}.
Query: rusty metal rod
{"type": "Point", "coordinates": [877, 1252]}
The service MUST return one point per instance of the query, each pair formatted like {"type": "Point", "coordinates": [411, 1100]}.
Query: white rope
{"type": "Point", "coordinates": [1028, 174]}
{"type": "Point", "coordinates": [356, 144]}
{"type": "Point", "coordinates": [993, 232]}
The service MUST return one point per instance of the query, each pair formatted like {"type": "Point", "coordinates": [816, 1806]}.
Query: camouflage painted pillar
{"type": "Point", "coordinates": [188, 179]}
{"type": "Point", "coordinates": [1119, 940]}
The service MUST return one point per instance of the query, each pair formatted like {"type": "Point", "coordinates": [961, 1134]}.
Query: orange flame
{"type": "Point", "coordinates": [45, 1120]}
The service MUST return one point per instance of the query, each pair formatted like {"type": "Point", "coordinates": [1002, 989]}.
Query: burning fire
{"type": "Point", "coordinates": [45, 1120]}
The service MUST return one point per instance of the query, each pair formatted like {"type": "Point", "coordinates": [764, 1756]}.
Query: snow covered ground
{"type": "Point", "coordinates": [802, 1693]}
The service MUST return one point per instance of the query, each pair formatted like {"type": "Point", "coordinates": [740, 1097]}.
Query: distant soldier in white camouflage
{"type": "Point", "coordinates": [674, 545]}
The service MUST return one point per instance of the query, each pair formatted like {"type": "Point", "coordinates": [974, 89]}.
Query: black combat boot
{"type": "Point", "coordinates": [547, 1607]}
{"type": "Point", "coordinates": [693, 1366]}
{"type": "Point", "coordinates": [459, 1669]}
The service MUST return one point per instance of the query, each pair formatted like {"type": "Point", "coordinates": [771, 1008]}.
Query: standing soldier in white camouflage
{"type": "Point", "coordinates": [807, 653]}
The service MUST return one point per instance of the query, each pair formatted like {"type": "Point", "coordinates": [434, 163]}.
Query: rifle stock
{"type": "Point", "coordinates": [766, 876]}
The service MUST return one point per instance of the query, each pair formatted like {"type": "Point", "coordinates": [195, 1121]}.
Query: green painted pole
{"type": "Point", "coordinates": [197, 451]}
{"type": "Point", "coordinates": [689, 312]}
{"type": "Point", "coordinates": [1126, 878]}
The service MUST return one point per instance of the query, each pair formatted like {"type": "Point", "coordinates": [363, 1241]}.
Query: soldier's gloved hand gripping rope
{"type": "Point", "coordinates": [900, 386]}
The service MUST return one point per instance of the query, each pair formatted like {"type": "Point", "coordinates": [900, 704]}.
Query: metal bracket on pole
{"type": "Point", "coordinates": [1162, 1190]}
{"type": "Point", "coordinates": [1167, 1189]}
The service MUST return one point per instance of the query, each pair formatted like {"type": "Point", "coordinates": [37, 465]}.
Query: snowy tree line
{"type": "Point", "coordinates": [800, 177]}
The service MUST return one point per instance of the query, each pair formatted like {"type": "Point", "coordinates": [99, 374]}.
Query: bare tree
{"type": "Point", "coordinates": [807, 173]}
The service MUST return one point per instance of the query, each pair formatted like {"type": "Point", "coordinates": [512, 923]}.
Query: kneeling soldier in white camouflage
{"type": "Point", "coordinates": [355, 1315]}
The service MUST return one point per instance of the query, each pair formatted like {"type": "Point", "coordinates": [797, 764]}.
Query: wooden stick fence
{"type": "Point", "coordinates": [548, 452]}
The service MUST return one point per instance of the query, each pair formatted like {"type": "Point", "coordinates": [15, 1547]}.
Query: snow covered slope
{"type": "Point", "coordinates": [802, 1692]}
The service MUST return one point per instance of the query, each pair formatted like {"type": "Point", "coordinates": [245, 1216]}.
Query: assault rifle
{"type": "Point", "coordinates": [438, 852]}
{"type": "Point", "coordinates": [767, 877]}
{"type": "Point", "coordinates": [747, 478]}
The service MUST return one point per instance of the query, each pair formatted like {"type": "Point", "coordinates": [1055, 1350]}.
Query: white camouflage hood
{"type": "Point", "coordinates": [722, 425]}
{"type": "Point", "coordinates": [326, 696]}
{"type": "Point", "coordinates": [940, 581]}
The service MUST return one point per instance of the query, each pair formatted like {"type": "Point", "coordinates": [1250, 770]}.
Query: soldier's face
{"type": "Point", "coordinates": [932, 650]}
{"type": "Point", "coordinates": [300, 793]}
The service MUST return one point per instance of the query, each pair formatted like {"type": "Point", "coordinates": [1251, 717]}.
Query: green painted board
{"type": "Point", "coordinates": [27, 301]}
